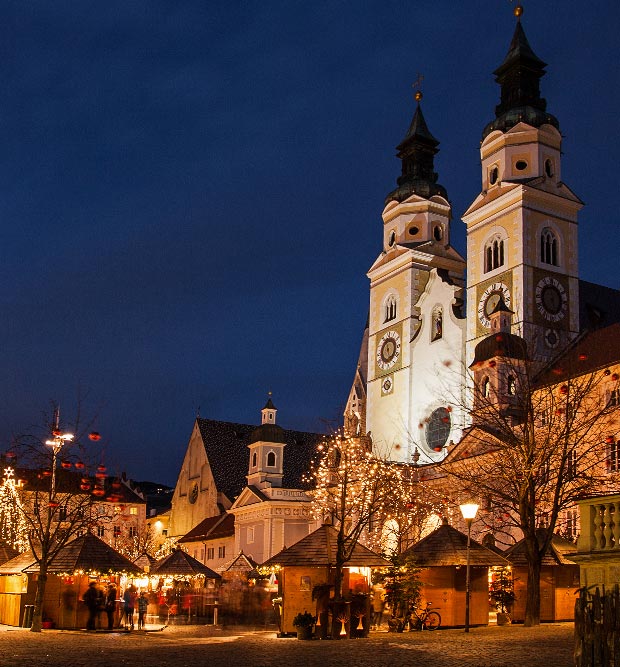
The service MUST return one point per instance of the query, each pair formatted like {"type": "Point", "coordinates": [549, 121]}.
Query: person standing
{"type": "Point", "coordinates": [110, 605]}
{"type": "Point", "coordinates": [143, 605]}
{"type": "Point", "coordinates": [129, 599]}
{"type": "Point", "coordinates": [92, 599]}
{"type": "Point", "coordinates": [378, 605]}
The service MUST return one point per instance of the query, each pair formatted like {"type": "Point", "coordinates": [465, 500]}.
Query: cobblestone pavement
{"type": "Point", "coordinates": [195, 646]}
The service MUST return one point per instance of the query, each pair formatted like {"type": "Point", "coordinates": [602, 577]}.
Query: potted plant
{"type": "Point", "coordinates": [501, 593]}
{"type": "Point", "coordinates": [304, 624]}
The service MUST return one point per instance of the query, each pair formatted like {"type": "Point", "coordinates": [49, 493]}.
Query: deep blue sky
{"type": "Point", "coordinates": [191, 192]}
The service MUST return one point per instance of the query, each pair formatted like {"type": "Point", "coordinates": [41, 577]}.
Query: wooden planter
{"type": "Point", "coordinates": [305, 632]}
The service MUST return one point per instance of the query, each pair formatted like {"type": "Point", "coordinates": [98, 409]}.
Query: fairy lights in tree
{"type": "Point", "coordinates": [13, 530]}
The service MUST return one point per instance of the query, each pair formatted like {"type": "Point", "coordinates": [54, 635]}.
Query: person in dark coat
{"type": "Point", "coordinates": [93, 599]}
{"type": "Point", "coordinates": [110, 605]}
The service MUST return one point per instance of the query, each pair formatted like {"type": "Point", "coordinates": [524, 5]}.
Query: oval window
{"type": "Point", "coordinates": [438, 429]}
{"type": "Point", "coordinates": [520, 165]}
{"type": "Point", "coordinates": [413, 231]}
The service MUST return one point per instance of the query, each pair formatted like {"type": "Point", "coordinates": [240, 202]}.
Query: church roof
{"type": "Point", "coordinates": [319, 550]}
{"type": "Point", "coordinates": [447, 546]}
{"type": "Point", "coordinates": [226, 444]}
{"type": "Point", "coordinates": [593, 351]}
{"type": "Point", "coordinates": [267, 433]}
{"type": "Point", "coordinates": [599, 306]}
{"type": "Point", "coordinates": [211, 528]}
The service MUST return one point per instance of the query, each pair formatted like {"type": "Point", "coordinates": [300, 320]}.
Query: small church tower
{"type": "Point", "coordinates": [266, 451]}
{"type": "Point", "coordinates": [499, 368]}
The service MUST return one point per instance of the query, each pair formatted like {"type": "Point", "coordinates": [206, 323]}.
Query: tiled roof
{"type": "Point", "coordinates": [226, 448]}
{"type": "Point", "coordinates": [594, 350]}
{"type": "Point", "coordinates": [18, 564]}
{"type": "Point", "coordinates": [145, 561]}
{"type": "Point", "coordinates": [447, 546]}
{"type": "Point", "coordinates": [213, 527]}
{"type": "Point", "coordinates": [182, 564]}
{"type": "Point", "coordinates": [319, 549]}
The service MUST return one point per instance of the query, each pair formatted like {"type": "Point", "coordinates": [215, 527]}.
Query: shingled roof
{"type": "Point", "coordinates": [319, 549]}
{"type": "Point", "coordinates": [558, 553]}
{"type": "Point", "coordinates": [447, 546]}
{"type": "Point", "coordinates": [179, 563]}
{"type": "Point", "coordinates": [7, 552]}
{"type": "Point", "coordinates": [86, 553]}
{"type": "Point", "coordinates": [226, 444]}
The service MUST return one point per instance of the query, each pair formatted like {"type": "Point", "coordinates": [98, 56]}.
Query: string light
{"type": "Point", "coordinates": [13, 529]}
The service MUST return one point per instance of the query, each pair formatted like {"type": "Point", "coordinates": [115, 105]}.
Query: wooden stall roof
{"type": "Point", "coordinates": [319, 549]}
{"type": "Point", "coordinates": [182, 564]}
{"type": "Point", "coordinates": [86, 553]}
{"type": "Point", "coordinates": [558, 553]}
{"type": "Point", "coordinates": [145, 561]}
{"type": "Point", "coordinates": [447, 546]}
{"type": "Point", "coordinates": [7, 552]}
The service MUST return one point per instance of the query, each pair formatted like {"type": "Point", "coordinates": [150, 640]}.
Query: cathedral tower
{"type": "Point", "coordinates": [416, 324]}
{"type": "Point", "coordinates": [522, 228]}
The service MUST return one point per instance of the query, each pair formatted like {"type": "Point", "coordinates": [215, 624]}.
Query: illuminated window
{"type": "Point", "coordinates": [133, 511]}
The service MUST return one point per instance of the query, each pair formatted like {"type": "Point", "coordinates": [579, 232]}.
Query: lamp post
{"type": "Point", "coordinates": [57, 442]}
{"type": "Point", "coordinates": [469, 511]}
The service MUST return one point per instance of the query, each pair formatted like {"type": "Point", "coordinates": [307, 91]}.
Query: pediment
{"type": "Point", "coordinates": [248, 496]}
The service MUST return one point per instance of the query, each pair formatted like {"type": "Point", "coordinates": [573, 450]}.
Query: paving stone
{"type": "Point", "coordinates": [177, 646]}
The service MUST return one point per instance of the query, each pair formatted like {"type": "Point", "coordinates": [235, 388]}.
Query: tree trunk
{"type": "Point", "coordinates": [37, 616]}
{"type": "Point", "coordinates": [532, 599]}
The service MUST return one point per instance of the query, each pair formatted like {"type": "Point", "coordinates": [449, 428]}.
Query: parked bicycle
{"type": "Point", "coordinates": [423, 618]}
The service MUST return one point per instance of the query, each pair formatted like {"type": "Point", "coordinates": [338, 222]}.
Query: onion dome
{"type": "Point", "coordinates": [416, 152]}
{"type": "Point", "coordinates": [500, 344]}
{"type": "Point", "coordinates": [519, 77]}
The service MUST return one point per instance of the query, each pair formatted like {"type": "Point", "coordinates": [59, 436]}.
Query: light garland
{"type": "Point", "coordinates": [13, 528]}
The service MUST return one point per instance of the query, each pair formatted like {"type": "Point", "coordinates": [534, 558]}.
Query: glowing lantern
{"type": "Point", "coordinates": [79, 465]}
{"type": "Point", "coordinates": [66, 464]}
{"type": "Point", "coordinates": [492, 363]}
{"type": "Point", "coordinates": [583, 357]}
{"type": "Point", "coordinates": [609, 439]}
{"type": "Point", "coordinates": [94, 436]}
{"type": "Point", "coordinates": [564, 389]}
{"type": "Point", "coordinates": [98, 492]}
{"type": "Point", "coordinates": [614, 377]}
{"type": "Point", "coordinates": [47, 473]}
{"type": "Point", "coordinates": [56, 433]}
{"type": "Point", "coordinates": [52, 504]}
{"type": "Point", "coordinates": [101, 468]}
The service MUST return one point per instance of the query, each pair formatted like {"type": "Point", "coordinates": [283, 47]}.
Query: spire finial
{"type": "Point", "coordinates": [418, 84]}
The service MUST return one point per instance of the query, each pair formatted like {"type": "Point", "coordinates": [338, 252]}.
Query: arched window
{"type": "Point", "coordinates": [254, 460]}
{"type": "Point", "coordinates": [485, 387]}
{"type": "Point", "coordinates": [437, 324]}
{"type": "Point", "coordinates": [548, 247]}
{"type": "Point", "coordinates": [494, 254]}
{"type": "Point", "coordinates": [390, 308]}
{"type": "Point", "coordinates": [271, 460]}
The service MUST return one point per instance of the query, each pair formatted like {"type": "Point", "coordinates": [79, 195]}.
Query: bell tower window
{"type": "Point", "coordinates": [493, 254]}
{"type": "Point", "coordinates": [548, 247]}
{"type": "Point", "coordinates": [485, 388]}
{"type": "Point", "coordinates": [390, 308]}
{"type": "Point", "coordinates": [271, 460]}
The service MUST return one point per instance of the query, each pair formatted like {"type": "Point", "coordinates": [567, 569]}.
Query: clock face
{"type": "Point", "coordinates": [489, 300]}
{"type": "Point", "coordinates": [551, 299]}
{"type": "Point", "coordinates": [388, 350]}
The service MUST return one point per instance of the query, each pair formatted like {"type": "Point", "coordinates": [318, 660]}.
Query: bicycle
{"type": "Point", "coordinates": [425, 619]}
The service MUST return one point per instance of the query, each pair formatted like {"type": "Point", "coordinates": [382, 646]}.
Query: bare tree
{"type": "Point", "coordinates": [59, 496]}
{"type": "Point", "coordinates": [538, 441]}
{"type": "Point", "coordinates": [351, 488]}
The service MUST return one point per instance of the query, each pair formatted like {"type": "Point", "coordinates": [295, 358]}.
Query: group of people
{"type": "Point", "coordinates": [97, 600]}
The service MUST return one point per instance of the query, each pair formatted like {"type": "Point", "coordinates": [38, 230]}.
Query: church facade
{"type": "Point", "coordinates": [430, 307]}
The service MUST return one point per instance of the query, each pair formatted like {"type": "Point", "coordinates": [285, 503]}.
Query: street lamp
{"type": "Point", "coordinates": [469, 511]}
{"type": "Point", "coordinates": [57, 443]}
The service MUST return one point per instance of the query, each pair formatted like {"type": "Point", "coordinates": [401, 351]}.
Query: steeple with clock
{"type": "Point", "coordinates": [416, 321]}
{"type": "Point", "coordinates": [522, 227]}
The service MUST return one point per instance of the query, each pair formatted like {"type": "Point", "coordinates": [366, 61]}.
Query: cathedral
{"type": "Point", "coordinates": [430, 307]}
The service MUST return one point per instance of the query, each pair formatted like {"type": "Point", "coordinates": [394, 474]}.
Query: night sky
{"type": "Point", "coordinates": [191, 193]}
